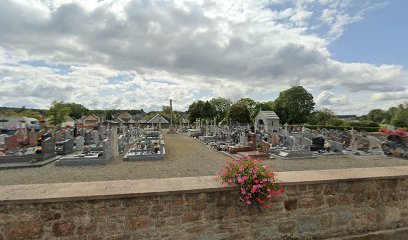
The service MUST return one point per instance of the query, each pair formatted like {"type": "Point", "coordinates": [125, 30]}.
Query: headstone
{"type": "Point", "coordinates": [102, 132]}
{"type": "Point", "coordinates": [58, 136]}
{"type": "Point", "coordinates": [264, 147]}
{"type": "Point", "coordinates": [317, 143]}
{"type": "Point", "coordinates": [288, 141]}
{"type": "Point", "coordinates": [275, 139]}
{"type": "Point", "coordinates": [79, 143]}
{"type": "Point", "coordinates": [306, 143]}
{"type": "Point", "coordinates": [88, 137]}
{"type": "Point", "coordinates": [121, 143]}
{"type": "Point", "coordinates": [48, 146]}
{"type": "Point", "coordinates": [11, 142]}
{"type": "Point", "coordinates": [353, 141]}
{"type": "Point", "coordinates": [2, 138]}
{"type": "Point", "coordinates": [65, 147]}
{"type": "Point", "coordinates": [81, 132]}
{"type": "Point", "coordinates": [336, 146]}
{"type": "Point", "coordinates": [32, 139]}
{"type": "Point", "coordinates": [375, 145]}
{"type": "Point", "coordinates": [95, 136]}
{"type": "Point", "coordinates": [107, 149]}
{"type": "Point", "coordinates": [68, 134]}
{"type": "Point", "coordinates": [114, 135]}
{"type": "Point", "coordinates": [243, 139]}
{"type": "Point", "coordinates": [252, 140]}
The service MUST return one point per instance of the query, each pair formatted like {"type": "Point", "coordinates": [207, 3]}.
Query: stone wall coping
{"type": "Point", "coordinates": [59, 192]}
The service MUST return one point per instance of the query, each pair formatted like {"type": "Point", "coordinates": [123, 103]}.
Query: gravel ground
{"type": "Point", "coordinates": [185, 157]}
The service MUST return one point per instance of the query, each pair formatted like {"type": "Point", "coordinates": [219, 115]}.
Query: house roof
{"type": "Point", "coordinates": [158, 118]}
{"type": "Point", "coordinates": [92, 116]}
{"type": "Point", "coordinates": [125, 116]}
{"type": "Point", "coordinates": [269, 114]}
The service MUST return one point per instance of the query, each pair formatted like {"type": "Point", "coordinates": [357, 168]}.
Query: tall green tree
{"type": "Point", "coordinates": [77, 110]}
{"type": "Point", "coordinates": [209, 111]}
{"type": "Point", "coordinates": [321, 117]}
{"type": "Point", "coordinates": [400, 118]}
{"type": "Point", "coordinates": [239, 113]}
{"type": "Point", "coordinates": [376, 115]}
{"type": "Point", "coordinates": [196, 110]}
{"type": "Point", "coordinates": [294, 105]}
{"type": "Point", "coordinates": [221, 106]}
{"type": "Point", "coordinates": [251, 105]}
{"type": "Point", "coordinates": [58, 112]}
{"type": "Point", "coordinates": [390, 113]}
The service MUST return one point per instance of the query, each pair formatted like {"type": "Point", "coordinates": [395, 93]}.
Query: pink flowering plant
{"type": "Point", "coordinates": [257, 182]}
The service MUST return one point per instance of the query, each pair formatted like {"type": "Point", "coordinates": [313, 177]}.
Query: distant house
{"type": "Point", "coordinates": [267, 121]}
{"type": "Point", "coordinates": [125, 118]}
{"type": "Point", "coordinates": [91, 121]}
{"type": "Point", "coordinates": [156, 121]}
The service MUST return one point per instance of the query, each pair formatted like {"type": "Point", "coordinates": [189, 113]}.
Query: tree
{"type": "Point", "coordinates": [376, 115]}
{"type": "Point", "coordinates": [166, 112]}
{"type": "Point", "coordinates": [251, 105]}
{"type": "Point", "coordinates": [108, 115]}
{"type": "Point", "coordinates": [208, 111]}
{"type": "Point", "coordinates": [239, 112]}
{"type": "Point", "coordinates": [196, 110]}
{"type": "Point", "coordinates": [294, 105]}
{"type": "Point", "coordinates": [390, 113]}
{"type": "Point", "coordinates": [77, 110]}
{"type": "Point", "coordinates": [400, 118]}
{"type": "Point", "coordinates": [221, 106]}
{"type": "Point", "coordinates": [321, 117]}
{"type": "Point", "coordinates": [58, 112]}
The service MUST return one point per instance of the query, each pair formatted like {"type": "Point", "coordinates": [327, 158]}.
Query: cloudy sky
{"type": "Point", "coordinates": [351, 55]}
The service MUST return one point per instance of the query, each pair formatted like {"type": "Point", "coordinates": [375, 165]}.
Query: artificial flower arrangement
{"type": "Point", "coordinates": [401, 132]}
{"type": "Point", "coordinates": [257, 182]}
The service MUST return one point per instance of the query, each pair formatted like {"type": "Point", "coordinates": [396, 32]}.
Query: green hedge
{"type": "Point", "coordinates": [357, 128]}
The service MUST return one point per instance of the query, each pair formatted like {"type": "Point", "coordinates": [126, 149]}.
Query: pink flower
{"type": "Point", "coordinates": [248, 202]}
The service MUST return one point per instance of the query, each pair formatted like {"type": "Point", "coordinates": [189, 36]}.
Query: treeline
{"type": "Point", "coordinates": [22, 112]}
{"type": "Point", "coordinates": [294, 106]}
{"type": "Point", "coordinates": [396, 116]}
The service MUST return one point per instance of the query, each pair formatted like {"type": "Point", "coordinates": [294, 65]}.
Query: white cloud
{"type": "Point", "coordinates": [399, 95]}
{"type": "Point", "coordinates": [138, 54]}
{"type": "Point", "coordinates": [327, 99]}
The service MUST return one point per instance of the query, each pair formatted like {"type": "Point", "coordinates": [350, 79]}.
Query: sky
{"type": "Point", "coordinates": [137, 54]}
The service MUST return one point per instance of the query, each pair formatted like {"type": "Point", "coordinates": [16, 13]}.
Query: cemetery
{"type": "Point", "coordinates": [266, 139]}
{"type": "Point", "coordinates": [342, 179]}
{"type": "Point", "coordinates": [150, 146]}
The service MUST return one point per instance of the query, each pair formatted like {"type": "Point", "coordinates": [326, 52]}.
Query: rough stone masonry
{"type": "Point", "coordinates": [315, 210]}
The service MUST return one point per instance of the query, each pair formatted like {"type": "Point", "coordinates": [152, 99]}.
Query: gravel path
{"type": "Point", "coordinates": [185, 157]}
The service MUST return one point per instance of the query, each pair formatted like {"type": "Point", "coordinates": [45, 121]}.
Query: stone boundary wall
{"type": "Point", "coordinates": [316, 205]}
